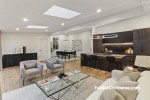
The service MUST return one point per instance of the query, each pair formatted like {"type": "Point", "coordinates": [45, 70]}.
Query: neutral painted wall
{"type": "Point", "coordinates": [125, 25]}
{"type": "Point", "coordinates": [85, 36]}
{"type": "Point", "coordinates": [10, 41]}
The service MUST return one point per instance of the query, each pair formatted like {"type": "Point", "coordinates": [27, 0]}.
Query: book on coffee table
{"type": "Point", "coordinates": [75, 71]}
{"type": "Point", "coordinates": [43, 82]}
{"type": "Point", "coordinates": [54, 78]}
{"type": "Point", "coordinates": [68, 73]}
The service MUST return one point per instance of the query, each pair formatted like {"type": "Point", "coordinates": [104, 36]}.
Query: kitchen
{"type": "Point", "coordinates": [122, 47]}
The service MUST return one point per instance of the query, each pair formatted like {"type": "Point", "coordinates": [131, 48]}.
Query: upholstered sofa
{"type": "Point", "coordinates": [143, 83]}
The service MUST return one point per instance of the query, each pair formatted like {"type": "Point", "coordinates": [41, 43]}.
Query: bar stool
{"type": "Point", "coordinates": [102, 63]}
{"type": "Point", "coordinates": [111, 63]}
{"type": "Point", "coordinates": [94, 61]}
{"type": "Point", "coordinates": [89, 61]}
{"type": "Point", "coordinates": [84, 59]}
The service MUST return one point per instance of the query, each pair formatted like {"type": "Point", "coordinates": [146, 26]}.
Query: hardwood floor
{"type": "Point", "coordinates": [10, 77]}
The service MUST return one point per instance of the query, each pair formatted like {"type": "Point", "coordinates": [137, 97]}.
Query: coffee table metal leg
{"type": "Point", "coordinates": [66, 91]}
{"type": "Point", "coordinates": [81, 83]}
{"type": "Point", "coordinates": [53, 98]}
{"type": "Point", "coordinates": [59, 95]}
{"type": "Point", "coordinates": [60, 89]}
{"type": "Point", "coordinates": [78, 81]}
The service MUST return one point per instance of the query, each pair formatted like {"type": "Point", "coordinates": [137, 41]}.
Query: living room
{"type": "Point", "coordinates": [74, 50]}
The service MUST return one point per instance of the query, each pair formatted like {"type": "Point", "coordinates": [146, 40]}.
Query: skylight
{"type": "Point", "coordinates": [61, 12]}
{"type": "Point", "coordinates": [37, 27]}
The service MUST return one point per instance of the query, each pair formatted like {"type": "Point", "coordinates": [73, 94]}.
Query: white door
{"type": "Point", "coordinates": [43, 48]}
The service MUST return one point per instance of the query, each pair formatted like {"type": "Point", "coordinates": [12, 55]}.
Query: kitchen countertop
{"type": "Point", "coordinates": [119, 56]}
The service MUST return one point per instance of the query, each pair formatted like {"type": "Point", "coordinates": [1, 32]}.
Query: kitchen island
{"type": "Point", "coordinates": [102, 61]}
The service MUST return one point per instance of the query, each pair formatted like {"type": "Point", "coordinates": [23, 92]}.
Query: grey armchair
{"type": "Point", "coordinates": [30, 68]}
{"type": "Point", "coordinates": [54, 63]}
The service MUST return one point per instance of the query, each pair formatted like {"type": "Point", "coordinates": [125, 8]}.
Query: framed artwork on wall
{"type": "Point", "coordinates": [77, 45]}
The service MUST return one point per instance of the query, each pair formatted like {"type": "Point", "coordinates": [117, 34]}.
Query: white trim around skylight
{"type": "Point", "coordinates": [60, 12]}
{"type": "Point", "coordinates": [37, 27]}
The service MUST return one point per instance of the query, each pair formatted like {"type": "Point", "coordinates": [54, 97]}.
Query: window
{"type": "Point", "coordinates": [55, 43]}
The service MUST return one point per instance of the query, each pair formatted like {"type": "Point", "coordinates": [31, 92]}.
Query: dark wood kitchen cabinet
{"type": "Point", "coordinates": [130, 59]}
{"type": "Point", "coordinates": [11, 60]}
{"type": "Point", "coordinates": [97, 44]}
{"type": "Point", "coordinates": [141, 40]}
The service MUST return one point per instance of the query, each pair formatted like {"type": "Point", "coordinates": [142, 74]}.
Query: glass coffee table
{"type": "Point", "coordinates": [56, 88]}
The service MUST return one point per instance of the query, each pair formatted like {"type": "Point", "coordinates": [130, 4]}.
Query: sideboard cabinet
{"type": "Point", "coordinates": [11, 60]}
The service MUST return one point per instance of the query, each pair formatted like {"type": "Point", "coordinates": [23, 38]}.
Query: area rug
{"type": "Point", "coordinates": [32, 92]}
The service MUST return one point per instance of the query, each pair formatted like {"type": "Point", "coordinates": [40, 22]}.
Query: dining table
{"type": "Point", "coordinates": [64, 54]}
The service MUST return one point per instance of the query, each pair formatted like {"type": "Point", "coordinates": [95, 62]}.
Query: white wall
{"type": "Point", "coordinates": [10, 41]}
{"type": "Point", "coordinates": [85, 36]}
{"type": "Point", "coordinates": [108, 26]}
{"type": "Point", "coordinates": [82, 35]}
{"type": "Point", "coordinates": [125, 25]}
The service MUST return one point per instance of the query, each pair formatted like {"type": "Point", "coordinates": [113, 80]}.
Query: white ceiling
{"type": "Point", "coordinates": [12, 12]}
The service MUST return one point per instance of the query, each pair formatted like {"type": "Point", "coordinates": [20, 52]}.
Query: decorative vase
{"type": "Point", "coordinates": [24, 50]}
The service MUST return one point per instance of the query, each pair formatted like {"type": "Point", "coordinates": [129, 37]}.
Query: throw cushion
{"type": "Point", "coordinates": [124, 78]}
{"type": "Point", "coordinates": [128, 94]}
{"type": "Point", "coordinates": [125, 71]}
{"type": "Point", "coordinates": [111, 95]}
{"type": "Point", "coordinates": [126, 82]}
{"type": "Point", "coordinates": [30, 65]}
{"type": "Point", "coordinates": [134, 76]}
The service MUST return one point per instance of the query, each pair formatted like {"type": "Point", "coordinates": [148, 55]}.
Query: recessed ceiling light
{"type": "Point", "coordinates": [62, 24]}
{"type": "Point", "coordinates": [37, 27]}
{"type": "Point", "coordinates": [17, 29]}
{"type": "Point", "coordinates": [99, 10]}
{"type": "Point", "coordinates": [46, 30]}
{"type": "Point", "coordinates": [57, 11]}
{"type": "Point", "coordinates": [25, 19]}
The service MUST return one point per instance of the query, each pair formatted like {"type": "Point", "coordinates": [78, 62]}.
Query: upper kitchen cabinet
{"type": "Point", "coordinates": [97, 44]}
